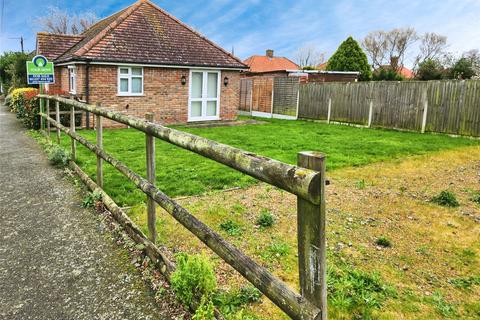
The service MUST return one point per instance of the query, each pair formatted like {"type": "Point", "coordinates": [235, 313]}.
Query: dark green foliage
{"type": "Point", "coordinates": [13, 70]}
{"type": "Point", "coordinates": [430, 70]}
{"type": "Point", "coordinates": [265, 219]}
{"type": "Point", "coordinates": [231, 302]}
{"type": "Point", "coordinates": [91, 199]}
{"type": "Point", "coordinates": [383, 242]}
{"type": "Point", "coordinates": [386, 74]}
{"type": "Point", "coordinates": [194, 278]}
{"type": "Point", "coordinates": [446, 199]}
{"type": "Point", "coordinates": [465, 283]}
{"type": "Point", "coordinates": [350, 57]}
{"type": "Point", "coordinates": [57, 155]}
{"type": "Point", "coordinates": [356, 292]}
{"type": "Point", "coordinates": [462, 69]}
{"type": "Point", "coordinates": [231, 228]}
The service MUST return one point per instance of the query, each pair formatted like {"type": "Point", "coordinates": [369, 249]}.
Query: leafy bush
{"type": "Point", "coordinates": [446, 199]}
{"type": "Point", "coordinates": [231, 228]}
{"type": "Point", "coordinates": [230, 303]}
{"type": "Point", "coordinates": [24, 103]}
{"type": "Point", "coordinates": [265, 219]}
{"type": "Point", "coordinates": [386, 74]}
{"type": "Point", "coordinates": [194, 278]}
{"type": "Point", "coordinates": [57, 155]}
{"type": "Point", "coordinates": [205, 310]}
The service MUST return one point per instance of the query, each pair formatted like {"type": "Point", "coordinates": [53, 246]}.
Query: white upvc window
{"type": "Point", "coordinates": [72, 79]}
{"type": "Point", "coordinates": [130, 81]}
{"type": "Point", "coordinates": [204, 95]}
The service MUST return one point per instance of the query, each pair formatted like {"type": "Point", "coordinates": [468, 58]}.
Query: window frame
{"type": "Point", "coordinates": [72, 79]}
{"type": "Point", "coordinates": [204, 99]}
{"type": "Point", "coordinates": [129, 76]}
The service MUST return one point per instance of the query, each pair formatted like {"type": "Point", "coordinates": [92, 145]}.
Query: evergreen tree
{"type": "Point", "coordinates": [350, 57]}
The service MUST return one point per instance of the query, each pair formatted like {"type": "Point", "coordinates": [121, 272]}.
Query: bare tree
{"type": "Point", "coordinates": [389, 47]}
{"type": "Point", "coordinates": [60, 22]}
{"type": "Point", "coordinates": [474, 57]}
{"type": "Point", "coordinates": [309, 56]}
{"type": "Point", "coordinates": [432, 46]}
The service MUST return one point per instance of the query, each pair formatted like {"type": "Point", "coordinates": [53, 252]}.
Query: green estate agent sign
{"type": "Point", "coordinates": [40, 71]}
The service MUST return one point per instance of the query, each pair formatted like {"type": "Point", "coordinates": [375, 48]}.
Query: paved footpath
{"type": "Point", "coordinates": [55, 263]}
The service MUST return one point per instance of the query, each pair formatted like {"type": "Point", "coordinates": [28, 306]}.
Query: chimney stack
{"type": "Point", "coordinates": [269, 53]}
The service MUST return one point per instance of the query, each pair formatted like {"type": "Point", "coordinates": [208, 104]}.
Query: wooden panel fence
{"type": "Point", "coordinates": [306, 181]}
{"type": "Point", "coordinates": [451, 107]}
{"type": "Point", "coordinates": [285, 96]}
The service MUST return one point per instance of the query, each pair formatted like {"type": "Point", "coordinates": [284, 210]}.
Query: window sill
{"type": "Point", "coordinates": [130, 95]}
{"type": "Point", "coordinates": [204, 119]}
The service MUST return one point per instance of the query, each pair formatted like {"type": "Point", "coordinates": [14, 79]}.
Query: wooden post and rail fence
{"type": "Point", "coordinates": [306, 181]}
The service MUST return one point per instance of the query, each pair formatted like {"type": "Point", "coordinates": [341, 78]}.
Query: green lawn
{"type": "Point", "coordinates": [180, 172]}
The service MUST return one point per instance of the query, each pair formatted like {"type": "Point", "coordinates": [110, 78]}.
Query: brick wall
{"type": "Point", "coordinates": [164, 94]}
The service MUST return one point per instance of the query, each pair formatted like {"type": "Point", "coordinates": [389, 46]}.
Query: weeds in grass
{"type": "Point", "coordinates": [205, 310]}
{"type": "Point", "coordinates": [265, 219]}
{"type": "Point", "coordinates": [446, 199]}
{"type": "Point", "coordinates": [361, 184]}
{"type": "Point", "coordinates": [423, 250]}
{"type": "Point", "coordinates": [355, 293]}
{"type": "Point", "coordinates": [90, 200]}
{"type": "Point", "coordinates": [383, 242]}
{"type": "Point", "coordinates": [238, 208]}
{"type": "Point", "coordinates": [194, 278]}
{"type": "Point", "coordinates": [275, 251]}
{"type": "Point", "coordinates": [465, 283]}
{"type": "Point", "coordinates": [442, 307]}
{"type": "Point", "coordinates": [231, 228]}
{"type": "Point", "coordinates": [230, 303]}
{"type": "Point", "coordinates": [476, 197]}
{"type": "Point", "coordinates": [468, 256]}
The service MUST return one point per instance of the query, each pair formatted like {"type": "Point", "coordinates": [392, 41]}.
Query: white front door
{"type": "Point", "coordinates": [204, 100]}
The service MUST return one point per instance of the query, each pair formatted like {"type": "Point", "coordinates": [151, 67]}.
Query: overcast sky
{"type": "Point", "coordinates": [251, 26]}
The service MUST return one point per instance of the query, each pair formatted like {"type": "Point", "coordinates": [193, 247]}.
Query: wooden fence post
{"type": "Point", "coordinates": [329, 112]}
{"type": "Point", "coordinates": [47, 123]}
{"type": "Point", "coordinates": [370, 113]}
{"type": "Point", "coordinates": [311, 237]}
{"type": "Point", "coordinates": [150, 151]}
{"type": "Point", "coordinates": [425, 108]}
{"type": "Point", "coordinates": [99, 127]}
{"type": "Point", "coordinates": [57, 118]}
{"type": "Point", "coordinates": [72, 128]}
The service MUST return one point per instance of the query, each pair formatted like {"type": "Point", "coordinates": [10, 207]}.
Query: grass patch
{"type": "Point", "coordinates": [231, 228]}
{"type": "Point", "coordinates": [383, 242]}
{"type": "Point", "coordinates": [446, 199]}
{"type": "Point", "coordinates": [265, 219]}
{"type": "Point", "coordinates": [442, 307]}
{"type": "Point", "coordinates": [180, 172]}
{"type": "Point", "coordinates": [355, 294]}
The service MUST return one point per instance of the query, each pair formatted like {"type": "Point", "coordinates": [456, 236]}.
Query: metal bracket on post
{"type": "Point", "coordinates": [311, 237]}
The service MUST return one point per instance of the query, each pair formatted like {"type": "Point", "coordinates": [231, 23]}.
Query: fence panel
{"type": "Point", "coordinates": [285, 96]}
{"type": "Point", "coordinates": [245, 95]}
{"type": "Point", "coordinates": [451, 107]}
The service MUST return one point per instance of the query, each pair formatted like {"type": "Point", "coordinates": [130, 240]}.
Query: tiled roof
{"type": "Point", "coordinates": [406, 73]}
{"type": "Point", "coordinates": [53, 45]}
{"type": "Point", "coordinates": [144, 33]}
{"type": "Point", "coordinates": [267, 64]}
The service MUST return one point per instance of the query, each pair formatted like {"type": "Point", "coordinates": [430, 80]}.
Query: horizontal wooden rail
{"type": "Point", "coordinates": [299, 181]}
{"type": "Point", "coordinates": [290, 302]}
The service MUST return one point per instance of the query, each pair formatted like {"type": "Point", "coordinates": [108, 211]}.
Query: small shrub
{"type": "Point", "coordinates": [194, 278]}
{"type": "Point", "coordinates": [205, 310]}
{"type": "Point", "coordinates": [383, 242]}
{"type": "Point", "coordinates": [91, 199]}
{"type": "Point", "coordinates": [446, 199]}
{"type": "Point", "coordinates": [24, 102]}
{"type": "Point", "coordinates": [57, 155]}
{"type": "Point", "coordinates": [231, 228]}
{"type": "Point", "coordinates": [265, 219]}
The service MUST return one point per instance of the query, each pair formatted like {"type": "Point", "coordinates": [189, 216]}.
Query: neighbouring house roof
{"type": "Point", "coordinates": [406, 73]}
{"type": "Point", "coordinates": [269, 64]}
{"type": "Point", "coordinates": [144, 33]}
{"type": "Point", "coordinates": [322, 66]}
{"type": "Point", "coordinates": [53, 45]}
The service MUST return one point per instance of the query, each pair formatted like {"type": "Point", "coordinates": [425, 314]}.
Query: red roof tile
{"type": "Point", "coordinates": [268, 64]}
{"type": "Point", "coordinates": [53, 45]}
{"type": "Point", "coordinates": [144, 33]}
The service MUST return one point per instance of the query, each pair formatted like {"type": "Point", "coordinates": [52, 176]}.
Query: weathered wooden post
{"type": "Point", "coordinates": [425, 107]}
{"type": "Point", "coordinates": [47, 123]}
{"type": "Point", "coordinates": [150, 151]}
{"type": "Point", "coordinates": [311, 237]}
{"type": "Point", "coordinates": [329, 111]}
{"type": "Point", "coordinates": [72, 128]}
{"type": "Point", "coordinates": [57, 118]}
{"type": "Point", "coordinates": [99, 127]}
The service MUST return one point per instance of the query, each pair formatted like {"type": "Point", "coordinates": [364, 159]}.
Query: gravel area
{"type": "Point", "coordinates": [55, 260]}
